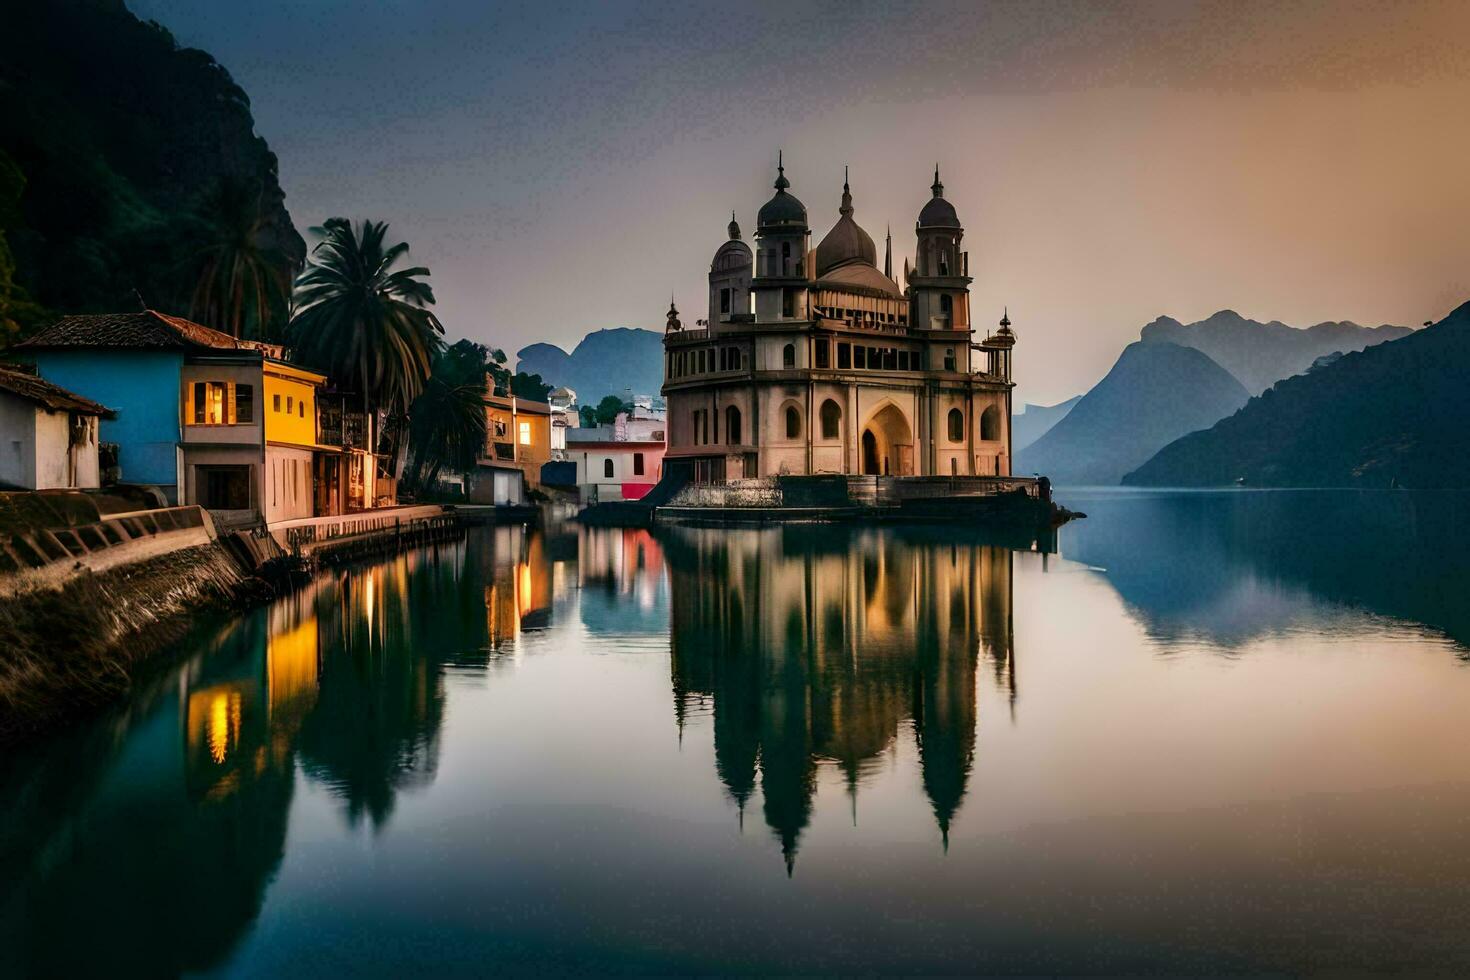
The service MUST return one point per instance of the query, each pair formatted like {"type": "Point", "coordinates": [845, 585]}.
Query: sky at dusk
{"type": "Point", "coordinates": [565, 167]}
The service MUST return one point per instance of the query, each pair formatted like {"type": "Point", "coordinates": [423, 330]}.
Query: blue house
{"type": "Point", "coordinates": [133, 363]}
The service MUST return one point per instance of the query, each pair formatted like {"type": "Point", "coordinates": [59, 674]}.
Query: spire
{"type": "Point", "coordinates": [781, 182]}
{"type": "Point", "coordinates": [888, 254]}
{"type": "Point", "coordinates": [672, 321]}
{"type": "Point", "coordinates": [734, 228]}
{"type": "Point", "coordinates": [846, 195]}
{"type": "Point", "coordinates": [937, 187]}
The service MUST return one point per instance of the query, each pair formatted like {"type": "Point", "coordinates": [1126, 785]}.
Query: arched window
{"type": "Point", "coordinates": [785, 258]}
{"type": "Point", "coordinates": [831, 420]}
{"type": "Point", "coordinates": [788, 356]}
{"type": "Point", "coordinates": [732, 425]}
{"type": "Point", "coordinates": [607, 469]}
{"type": "Point", "coordinates": [990, 423]}
{"type": "Point", "coordinates": [956, 425]}
{"type": "Point", "coordinates": [793, 422]}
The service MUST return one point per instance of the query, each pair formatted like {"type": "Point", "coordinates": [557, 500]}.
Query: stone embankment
{"type": "Point", "coordinates": [92, 589]}
{"type": "Point", "coordinates": [85, 602]}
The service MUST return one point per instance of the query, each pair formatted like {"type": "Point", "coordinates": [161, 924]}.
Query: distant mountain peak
{"type": "Point", "coordinates": [1260, 354]}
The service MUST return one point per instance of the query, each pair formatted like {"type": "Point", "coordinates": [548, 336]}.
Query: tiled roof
{"type": "Point", "coordinates": [148, 330]}
{"type": "Point", "coordinates": [53, 397]}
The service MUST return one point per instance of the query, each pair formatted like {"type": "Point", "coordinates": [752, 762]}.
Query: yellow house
{"type": "Point", "coordinates": [249, 436]}
{"type": "Point", "coordinates": [517, 440]}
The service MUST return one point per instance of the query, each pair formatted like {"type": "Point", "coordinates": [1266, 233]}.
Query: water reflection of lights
{"type": "Point", "coordinates": [222, 732]}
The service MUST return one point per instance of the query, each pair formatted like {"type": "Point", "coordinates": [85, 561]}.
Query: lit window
{"type": "Point", "coordinates": [209, 403]}
{"type": "Point", "coordinates": [525, 433]}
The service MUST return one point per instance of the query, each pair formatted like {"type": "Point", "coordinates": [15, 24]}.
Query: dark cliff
{"type": "Point", "coordinates": [113, 139]}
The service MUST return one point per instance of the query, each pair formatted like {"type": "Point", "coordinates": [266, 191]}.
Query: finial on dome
{"type": "Point", "coordinates": [733, 228]}
{"type": "Point", "coordinates": [846, 207]}
{"type": "Point", "coordinates": [781, 182]}
{"type": "Point", "coordinates": [1005, 318]}
{"type": "Point", "coordinates": [937, 187]}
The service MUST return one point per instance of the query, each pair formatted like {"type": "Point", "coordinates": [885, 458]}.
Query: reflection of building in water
{"type": "Point", "coordinates": [242, 712]}
{"type": "Point", "coordinates": [519, 584]}
{"type": "Point", "coordinates": [621, 575]}
{"type": "Point", "coordinates": [821, 647]}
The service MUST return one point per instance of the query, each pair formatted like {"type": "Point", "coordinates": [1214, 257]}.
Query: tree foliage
{"type": "Point", "coordinates": [242, 282]}
{"type": "Point", "coordinates": [447, 419]}
{"type": "Point", "coordinates": [608, 409]}
{"type": "Point", "coordinates": [363, 324]}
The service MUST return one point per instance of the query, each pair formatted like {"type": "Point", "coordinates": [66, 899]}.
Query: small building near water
{"type": "Point", "coordinates": [48, 435]}
{"type": "Point", "coordinates": [517, 445]}
{"type": "Point", "coordinates": [608, 468]}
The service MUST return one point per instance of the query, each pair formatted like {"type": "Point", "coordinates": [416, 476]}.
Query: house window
{"type": "Point", "coordinates": [301, 408]}
{"type": "Point", "coordinates": [949, 361]}
{"type": "Point", "coordinates": [946, 304]}
{"type": "Point", "coordinates": [525, 428]}
{"type": "Point", "coordinates": [788, 303]}
{"type": "Point", "coordinates": [831, 419]}
{"type": "Point", "coordinates": [903, 360]}
{"type": "Point", "coordinates": [725, 301]}
{"type": "Point", "coordinates": [793, 422]}
{"type": "Point", "coordinates": [244, 403]}
{"type": "Point", "coordinates": [209, 402]}
{"type": "Point", "coordinates": [786, 260]}
{"type": "Point", "coordinates": [500, 428]}
{"type": "Point", "coordinates": [788, 356]}
{"type": "Point", "coordinates": [290, 404]}
{"type": "Point", "coordinates": [844, 356]}
{"type": "Point", "coordinates": [860, 357]}
{"type": "Point", "coordinates": [956, 425]}
{"type": "Point", "coordinates": [637, 464]}
{"type": "Point", "coordinates": [822, 354]}
{"type": "Point", "coordinates": [275, 403]}
{"type": "Point", "coordinates": [607, 469]}
{"type": "Point", "coordinates": [732, 425]}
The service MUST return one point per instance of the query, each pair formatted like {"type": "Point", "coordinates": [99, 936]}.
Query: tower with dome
{"type": "Point", "coordinates": [815, 361]}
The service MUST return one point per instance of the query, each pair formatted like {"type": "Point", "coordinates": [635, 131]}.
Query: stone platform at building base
{"type": "Point", "coordinates": [836, 498]}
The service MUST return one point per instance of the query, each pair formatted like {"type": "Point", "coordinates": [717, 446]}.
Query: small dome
{"type": "Point", "coordinates": [938, 213]}
{"type": "Point", "coordinates": [733, 228]}
{"type": "Point", "coordinates": [846, 242]}
{"type": "Point", "coordinates": [784, 208]}
{"type": "Point", "coordinates": [732, 256]}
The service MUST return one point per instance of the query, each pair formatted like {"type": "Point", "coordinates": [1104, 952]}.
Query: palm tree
{"type": "Point", "coordinates": [366, 326]}
{"type": "Point", "coordinates": [447, 421]}
{"type": "Point", "coordinates": [241, 282]}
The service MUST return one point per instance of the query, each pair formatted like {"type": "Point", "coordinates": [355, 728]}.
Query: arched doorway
{"type": "Point", "coordinates": [888, 443]}
{"type": "Point", "coordinates": [871, 464]}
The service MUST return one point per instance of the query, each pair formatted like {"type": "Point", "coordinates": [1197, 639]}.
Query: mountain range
{"type": "Point", "coordinates": [1394, 414]}
{"type": "Point", "coordinates": [1261, 354]}
{"type": "Point", "coordinates": [623, 361]}
{"type": "Point", "coordinates": [1033, 421]}
{"type": "Point", "coordinates": [1155, 393]}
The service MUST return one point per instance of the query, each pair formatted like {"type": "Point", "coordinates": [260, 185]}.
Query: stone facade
{"type": "Point", "coordinates": [813, 361]}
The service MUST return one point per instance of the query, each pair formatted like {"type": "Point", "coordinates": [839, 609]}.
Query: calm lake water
{"type": "Point", "coordinates": [1206, 732]}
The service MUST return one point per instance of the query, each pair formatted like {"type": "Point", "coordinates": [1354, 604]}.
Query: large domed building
{"type": "Point", "coordinates": [813, 360]}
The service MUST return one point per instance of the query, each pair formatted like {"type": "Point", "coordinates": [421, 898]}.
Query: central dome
{"type": "Point", "coordinates": [846, 242]}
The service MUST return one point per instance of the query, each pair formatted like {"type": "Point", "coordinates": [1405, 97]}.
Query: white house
{"type": "Point", "coordinates": [614, 469]}
{"type": "Point", "coordinates": [48, 435]}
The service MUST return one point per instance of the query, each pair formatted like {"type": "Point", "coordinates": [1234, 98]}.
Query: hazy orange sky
{"type": "Point", "coordinates": [564, 167]}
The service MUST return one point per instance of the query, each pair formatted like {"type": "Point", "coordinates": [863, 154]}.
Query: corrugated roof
{"type": "Point", "coordinates": [53, 398]}
{"type": "Point", "coordinates": [147, 330]}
